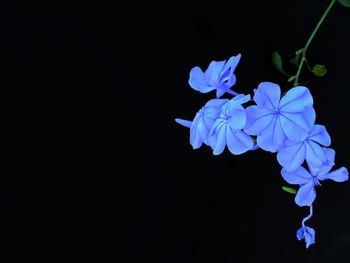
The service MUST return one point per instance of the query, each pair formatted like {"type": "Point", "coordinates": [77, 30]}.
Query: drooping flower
{"type": "Point", "coordinates": [203, 122]}
{"type": "Point", "coordinates": [219, 76]}
{"type": "Point", "coordinates": [274, 120]}
{"type": "Point", "coordinates": [305, 232]}
{"type": "Point", "coordinates": [227, 129]}
{"type": "Point", "coordinates": [309, 180]}
{"type": "Point", "coordinates": [293, 154]}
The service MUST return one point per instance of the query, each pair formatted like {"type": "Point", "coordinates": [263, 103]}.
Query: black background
{"type": "Point", "coordinates": [110, 81]}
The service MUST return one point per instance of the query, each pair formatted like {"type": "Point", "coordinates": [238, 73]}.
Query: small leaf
{"type": "Point", "coordinates": [319, 70]}
{"type": "Point", "coordinates": [277, 62]}
{"type": "Point", "coordinates": [345, 3]}
{"type": "Point", "coordinates": [291, 78]}
{"type": "Point", "coordinates": [295, 61]}
{"type": "Point", "coordinates": [298, 52]}
{"type": "Point", "coordinates": [289, 190]}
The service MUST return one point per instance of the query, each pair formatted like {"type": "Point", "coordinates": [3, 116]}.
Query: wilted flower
{"type": "Point", "coordinates": [219, 76]}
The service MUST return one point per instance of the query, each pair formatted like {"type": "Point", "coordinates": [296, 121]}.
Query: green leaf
{"type": "Point", "coordinates": [345, 3]}
{"type": "Point", "coordinates": [298, 52]}
{"type": "Point", "coordinates": [289, 190]}
{"type": "Point", "coordinates": [295, 61]}
{"type": "Point", "coordinates": [319, 70]}
{"type": "Point", "coordinates": [277, 62]}
{"type": "Point", "coordinates": [291, 78]}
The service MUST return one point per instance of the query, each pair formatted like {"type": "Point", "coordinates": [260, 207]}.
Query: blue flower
{"type": "Point", "coordinates": [274, 121]}
{"type": "Point", "coordinates": [308, 181]}
{"type": "Point", "coordinates": [306, 232]}
{"type": "Point", "coordinates": [227, 129]}
{"type": "Point", "coordinates": [203, 122]}
{"type": "Point", "coordinates": [293, 154]}
{"type": "Point", "coordinates": [219, 76]}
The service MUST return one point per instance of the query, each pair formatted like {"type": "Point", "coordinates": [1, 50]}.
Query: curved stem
{"type": "Point", "coordinates": [296, 80]}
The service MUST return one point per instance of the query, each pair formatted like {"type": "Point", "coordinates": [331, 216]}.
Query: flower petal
{"type": "Point", "coordinates": [238, 142]}
{"type": "Point", "coordinates": [198, 82]}
{"type": "Point", "coordinates": [296, 100]}
{"type": "Point", "coordinates": [320, 135]}
{"type": "Point", "coordinates": [183, 122]}
{"type": "Point", "coordinates": [212, 74]}
{"type": "Point", "coordinates": [299, 176]}
{"type": "Point", "coordinates": [272, 138]}
{"type": "Point", "coordinates": [297, 126]}
{"type": "Point", "coordinates": [292, 157]}
{"type": "Point", "coordinates": [257, 119]}
{"type": "Point", "coordinates": [228, 79]}
{"type": "Point", "coordinates": [268, 95]}
{"type": "Point", "coordinates": [339, 175]}
{"type": "Point", "coordinates": [306, 194]}
{"type": "Point", "coordinates": [327, 166]}
{"type": "Point", "coordinates": [315, 155]}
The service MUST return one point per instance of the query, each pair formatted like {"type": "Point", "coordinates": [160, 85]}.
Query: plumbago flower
{"type": "Point", "coordinates": [284, 125]}
{"type": "Point", "coordinates": [309, 180]}
{"type": "Point", "coordinates": [305, 232]}
{"type": "Point", "coordinates": [219, 76]}
{"type": "Point", "coordinates": [220, 123]}
{"type": "Point", "coordinates": [227, 129]}
{"type": "Point", "coordinates": [293, 154]}
{"type": "Point", "coordinates": [274, 120]}
{"type": "Point", "coordinates": [203, 122]}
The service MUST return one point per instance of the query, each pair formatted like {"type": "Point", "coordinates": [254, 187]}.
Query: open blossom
{"type": "Point", "coordinates": [309, 180]}
{"type": "Point", "coordinates": [219, 76]}
{"type": "Point", "coordinates": [293, 154]}
{"type": "Point", "coordinates": [227, 128]}
{"type": "Point", "coordinates": [274, 120]}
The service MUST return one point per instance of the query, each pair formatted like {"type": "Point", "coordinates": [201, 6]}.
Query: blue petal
{"type": "Point", "coordinates": [237, 119]}
{"type": "Point", "coordinates": [268, 95]}
{"type": "Point", "coordinates": [297, 126]}
{"type": "Point", "coordinates": [292, 157]}
{"type": "Point", "coordinates": [327, 166]}
{"type": "Point", "coordinates": [198, 82]}
{"type": "Point", "coordinates": [320, 135]}
{"type": "Point", "coordinates": [217, 103]}
{"type": "Point", "coordinates": [299, 176]}
{"type": "Point", "coordinates": [217, 136]}
{"type": "Point", "coordinates": [238, 142]}
{"type": "Point", "coordinates": [257, 119]}
{"type": "Point", "coordinates": [272, 138]}
{"type": "Point", "coordinates": [195, 132]}
{"type": "Point", "coordinates": [306, 194]}
{"type": "Point", "coordinates": [315, 155]}
{"type": "Point", "coordinates": [220, 92]}
{"type": "Point", "coordinates": [241, 98]}
{"type": "Point", "coordinates": [220, 142]}
{"type": "Point", "coordinates": [183, 122]}
{"type": "Point", "coordinates": [339, 175]}
{"type": "Point", "coordinates": [227, 77]}
{"type": "Point", "coordinates": [212, 74]}
{"type": "Point", "coordinates": [231, 64]}
{"type": "Point", "coordinates": [296, 100]}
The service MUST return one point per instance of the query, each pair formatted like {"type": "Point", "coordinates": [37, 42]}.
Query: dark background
{"type": "Point", "coordinates": [107, 84]}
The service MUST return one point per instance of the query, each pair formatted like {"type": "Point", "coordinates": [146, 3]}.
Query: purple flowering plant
{"type": "Point", "coordinates": [282, 124]}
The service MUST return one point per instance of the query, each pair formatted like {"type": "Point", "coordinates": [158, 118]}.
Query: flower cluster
{"type": "Point", "coordinates": [283, 125]}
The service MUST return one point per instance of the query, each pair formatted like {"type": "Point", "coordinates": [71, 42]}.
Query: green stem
{"type": "Point", "coordinates": [303, 59]}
